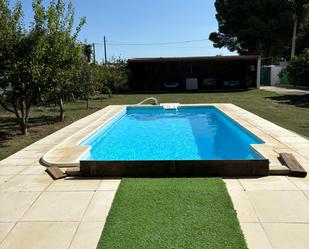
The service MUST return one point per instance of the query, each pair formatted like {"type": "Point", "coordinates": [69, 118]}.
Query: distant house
{"type": "Point", "coordinates": [194, 73]}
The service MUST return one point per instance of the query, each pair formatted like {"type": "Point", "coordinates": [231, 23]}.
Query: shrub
{"type": "Point", "coordinates": [298, 70]}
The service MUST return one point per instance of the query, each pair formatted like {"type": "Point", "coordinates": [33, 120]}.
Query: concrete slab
{"type": "Point", "coordinates": [99, 206]}
{"type": "Point", "coordinates": [280, 206]}
{"type": "Point", "coordinates": [39, 235]}
{"type": "Point", "coordinates": [59, 206]}
{"type": "Point", "coordinates": [287, 235]}
{"type": "Point", "coordinates": [5, 228]}
{"type": "Point", "coordinates": [26, 183]}
{"type": "Point", "coordinates": [108, 184]}
{"type": "Point", "coordinates": [243, 206]}
{"type": "Point", "coordinates": [255, 236]}
{"type": "Point", "coordinates": [14, 205]}
{"type": "Point", "coordinates": [10, 170]}
{"type": "Point", "coordinates": [87, 235]}
{"type": "Point", "coordinates": [75, 184]}
{"type": "Point", "coordinates": [268, 183]}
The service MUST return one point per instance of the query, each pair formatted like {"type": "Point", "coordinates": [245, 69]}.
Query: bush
{"type": "Point", "coordinates": [298, 70]}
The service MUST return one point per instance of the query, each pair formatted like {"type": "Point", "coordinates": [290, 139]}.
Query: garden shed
{"type": "Point", "coordinates": [167, 74]}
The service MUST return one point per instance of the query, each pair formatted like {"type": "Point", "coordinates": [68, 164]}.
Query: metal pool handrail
{"type": "Point", "coordinates": [156, 101]}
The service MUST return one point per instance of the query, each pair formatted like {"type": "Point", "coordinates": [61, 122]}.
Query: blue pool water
{"type": "Point", "coordinates": [188, 133]}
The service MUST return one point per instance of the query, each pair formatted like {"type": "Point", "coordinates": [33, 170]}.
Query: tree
{"type": "Point", "coordinates": [39, 60]}
{"type": "Point", "coordinates": [298, 70]}
{"type": "Point", "coordinates": [303, 32]}
{"type": "Point", "coordinates": [113, 76]}
{"type": "Point", "coordinates": [261, 27]}
{"type": "Point", "coordinates": [87, 81]}
{"type": "Point", "coordinates": [21, 70]}
{"type": "Point", "coordinates": [63, 52]}
{"type": "Point", "coordinates": [88, 52]}
{"type": "Point", "coordinates": [298, 7]}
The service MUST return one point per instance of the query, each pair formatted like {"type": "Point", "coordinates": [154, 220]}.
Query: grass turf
{"type": "Point", "coordinates": [289, 111]}
{"type": "Point", "coordinates": [175, 213]}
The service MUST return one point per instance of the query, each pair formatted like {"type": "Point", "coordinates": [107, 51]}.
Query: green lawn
{"type": "Point", "coordinates": [172, 213]}
{"type": "Point", "coordinates": [291, 112]}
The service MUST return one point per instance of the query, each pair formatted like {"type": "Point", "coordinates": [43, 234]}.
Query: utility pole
{"type": "Point", "coordinates": [294, 37]}
{"type": "Point", "coordinates": [93, 51]}
{"type": "Point", "coordinates": [105, 53]}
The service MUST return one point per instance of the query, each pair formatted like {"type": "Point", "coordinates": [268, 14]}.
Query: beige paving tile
{"type": "Point", "coordinates": [108, 184]}
{"type": "Point", "coordinates": [306, 193]}
{"type": "Point", "coordinates": [13, 162]}
{"type": "Point", "coordinates": [4, 179]}
{"type": "Point", "coordinates": [280, 206]}
{"type": "Point", "coordinates": [59, 206]}
{"type": "Point", "coordinates": [10, 170]}
{"type": "Point", "coordinates": [287, 235]}
{"type": "Point", "coordinates": [28, 162]}
{"type": "Point", "coordinates": [301, 183]}
{"type": "Point", "coordinates": [14, 205]}
{"type": "Point", "coordinates": [7, 162]}
{"type": "Point", "coordinates": [99, 206]}
{"type": "Point", "coordinates": [38, 147]}
{"type": "Point", "coordinates": [74, 184]}
{"type": "Point", "coordinates": [4, 229]}
{"type": "Point", "coordinates": [40, 235]}
{"type": "Point", "coordinates": [22, 154]}
{"type": "Point", "coordinates": [268, 183]}
{"type": "Point", "coordinates": [34, 170]}
{"type": "Point", "coordinates": [26, 183]}
{"type": "Point", "coordinates": [243, 207]}
{"type": "Point", "coordinates": [255, 236]}
{"type": "Point", "coordinates": [88, 235]}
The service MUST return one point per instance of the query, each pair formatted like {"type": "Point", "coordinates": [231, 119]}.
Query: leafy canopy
{"type": "Point", "coordinates": [256, 26]}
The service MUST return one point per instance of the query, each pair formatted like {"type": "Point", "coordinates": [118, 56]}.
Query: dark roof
{"type": "Point", "coordinates": [196, 58]}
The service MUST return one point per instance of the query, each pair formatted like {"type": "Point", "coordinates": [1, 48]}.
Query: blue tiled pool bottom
{"type": "Point", "coordinates": [188, 133]}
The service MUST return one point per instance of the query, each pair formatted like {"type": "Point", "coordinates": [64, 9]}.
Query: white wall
{"type": "Point", "coordinates": [274, 77]}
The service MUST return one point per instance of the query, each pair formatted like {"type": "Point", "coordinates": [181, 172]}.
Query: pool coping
{"type": "Point", "coordinates": [69, 153]}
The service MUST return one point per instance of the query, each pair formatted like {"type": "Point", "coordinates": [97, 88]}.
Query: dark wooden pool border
{"type": "Point", "coordinates": [175, 168]}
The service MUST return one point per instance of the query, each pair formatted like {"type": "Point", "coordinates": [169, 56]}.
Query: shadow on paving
{"type": "Point", "coordinates": [296, 100]}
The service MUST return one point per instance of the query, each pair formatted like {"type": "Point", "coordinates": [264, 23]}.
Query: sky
{"type": "Point", "coordinates": [145, 21]}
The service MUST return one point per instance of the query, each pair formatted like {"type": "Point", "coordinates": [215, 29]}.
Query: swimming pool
{"type": "Point", "coordinates": [185, 133]}
{"type": "Point", "coordinates": [184, 141]}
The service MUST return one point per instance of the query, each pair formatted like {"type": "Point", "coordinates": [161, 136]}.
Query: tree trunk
{"type": "Point", "coordinates": [21, 109]}
{"type": "Point", "coordinates": [61, 109]}
{"type": "Point", "coordinates": [23, 128]}
{"type": "Point", "coordinates": [87, 101]}
{"type": "Point", "coordinates": [21, 114]}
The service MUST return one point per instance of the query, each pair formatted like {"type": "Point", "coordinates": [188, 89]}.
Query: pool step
{"type": "Point", "coordinates": [295, 167]}
{"type": "Point", "coordinates": [55, 172]}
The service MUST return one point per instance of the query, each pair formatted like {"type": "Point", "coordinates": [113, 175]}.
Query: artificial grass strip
{"type": "Point", "coordinates": [172, 213]}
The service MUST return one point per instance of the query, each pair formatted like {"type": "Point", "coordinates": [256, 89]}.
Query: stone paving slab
{"type": "Point", "coordinates": [255, 236]}
{"type": "Point", "coordinates": [5, 228]}
{"type": "Point", "coordinates": [288, 235]}
{"type": "Point", "coordinates": [87, 235]}
{"type": "Point", "coordinates": [36, 212]}
{"type": "Point", "coordinates": [40, 235]}
{"type": "Point", "coordinates": [59, 206]}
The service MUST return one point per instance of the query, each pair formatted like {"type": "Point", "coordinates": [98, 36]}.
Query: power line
{"type": "Point", "coordinates": [151, 43]}
{"type": "Point", "coordinates": [160, 46]}
{"type": "Point", "coordinates": [114, 43]}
